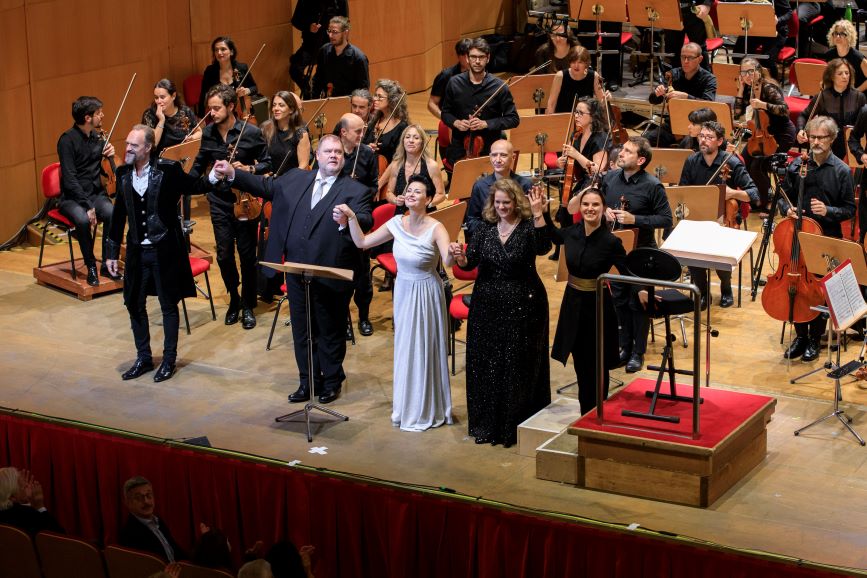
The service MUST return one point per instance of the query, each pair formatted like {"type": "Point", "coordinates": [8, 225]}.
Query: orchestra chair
{"type": "Point", "coordinates": [51, 192]}
{"type": "Point", "coordinates": [444, 138]}
{"type": "Point", "coordinates": [17, 555]}
{"type": "Point", "coordinates": [192, 90]}
{"type": "Point", "coordinates": [384, 261]}
{"type": "Point", "coordinates": [199, 266]}
{"type": "Point", "coordinates": [66, 557]}
{"type": "Point", "coordinates": [459, 309]}
{"type": "Point", "coordinates": [189, 570]}
{"type": "Point", "coordinates": [798, 103]}
{"type": "Point", "coordinates": [128, 563]}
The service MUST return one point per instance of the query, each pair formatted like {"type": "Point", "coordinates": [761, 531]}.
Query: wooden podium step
{"type": "Point", "coordinates": [60, 275]}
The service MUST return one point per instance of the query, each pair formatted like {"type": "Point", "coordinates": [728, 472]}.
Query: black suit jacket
{"type": "Point", "coordinates": [30, 520]}
{"type": "Point", "coordinates": [328, 246]}
{"type": "Point", "coordinates": [136, 535]}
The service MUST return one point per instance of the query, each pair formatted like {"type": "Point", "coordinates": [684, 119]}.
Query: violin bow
{"type": "Point", "coordinates": [120, 108]}
{"type": "Point", "coordinates": [198, 124]}
{"type": "Point", "coordinates": [234, 145]}
{"type": "Point", "coordinates": [252, 64]}
{"type": "Point", "coordinates": [512, 82]}
{"type": "Point", "coordinates": [358, 151]}
{"type": "Point", "coordinates": [377, 134]}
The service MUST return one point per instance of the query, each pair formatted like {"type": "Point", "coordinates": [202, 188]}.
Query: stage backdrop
{"type": "Point", "coordinates": [57, 50]}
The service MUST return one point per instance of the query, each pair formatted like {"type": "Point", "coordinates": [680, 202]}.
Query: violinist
{"type": "Point", "coordinates": [225, 69]}
{"type": "Point", "coordinates": [361, 103]}
{"type": "Point", "coordinates": [438, 88]}
{"type": "Point", "coordinates": [698, 169]}
{"type": "Point", "coordinates": [341, 67]}
{"type": "Point", "coordinates": [769, 45]}
{"type": "Point", "coordinates": [83, 199]}
{"type": "Point", "coordinates": [829, 200]}
{"type": "Point", "coordinates": [556, 50]}
{"type": "Point", "coordinates": [696, 119]}
{"type": "Point", "coordinates": [388, 119]}
{"type": "Point", "coordinates": [587, 153]}
{"type": "Point", "coordinates": [411, 158]}
{"type": "Point", "coordinates": [578, 79]}
{"type": "Point", "coordinates": [838, 100]}
{"type": "Point", "coordinates": [251, 155]}
{"type": "Point", "coordinates": [311, 18]}
{"type": "Point", "coordinates": [474, 132]}
{"type": "Point", "coordinates": [689, 81]}
{"type": "Point", "coordinates": [648, 210]}
{"type": "Point", "coordinates": [757, 91]}
{"type": "Point", "coordinates": [287, 137]}
{"type": "Point", "coordinates": [860, 154]}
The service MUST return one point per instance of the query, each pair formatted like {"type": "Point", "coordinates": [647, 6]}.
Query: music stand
{"type": "Point", "coordinates": [466, 173]}
{"type": "Point", "coordinates": [541, 132]}
{"type": "Point", "coordinates": [452, 217]}
{"type": "Point", "coordinates": [696, 203]}
{"type": "Point", "coordinates": [726, 78]}
{"type": "Point", "coordinates": [325, 119]}
{"type": "Point", "coordinates": [822, 255]}
{"type": "Point", "coordinates": [679, 109]}
{"type": "Point", "coordinates": [667, 164]}
{"type": "Point", "coordinates": [532, 92]}
{"type": "Point", "coordinates": [655, 15]}
{"type": "Point", "coordinates": [185, 153]}
{"type": "Point", "coordinates": [610, 11]}
{"type": "Point", "coordinates": [747, 19]}
{"type": "Point", "coordinates": [307, 273]}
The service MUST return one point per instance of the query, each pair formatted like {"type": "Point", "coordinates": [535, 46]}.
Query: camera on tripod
{"type": "Point", "coordinates": [779, 162]}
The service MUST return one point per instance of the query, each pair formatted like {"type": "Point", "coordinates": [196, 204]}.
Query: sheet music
{"type": "Point", "coordinates": [708, 244]}
{"type": "Point", "coordinates": [844, 296]}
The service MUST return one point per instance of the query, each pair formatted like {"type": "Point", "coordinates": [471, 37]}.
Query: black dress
{"type": "Point", "coordinates": [388, 141]}
{"type": "Point", "coordinates": [283, 149]}
{"type": "Point", "coordinates": [508, 372]}
{"type": "Point", "coordinates": [587, 258]}
{"type": "Point", "coordinates": [176, 128]}
{"type": "Point", "coordinates": [569, 89]}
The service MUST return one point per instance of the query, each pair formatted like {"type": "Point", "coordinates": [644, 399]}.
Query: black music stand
{"type": "Point", "coordinates": [610, 11]}
{"type": "Point", "coordinates": [307, 273]}
{"type": "Point", "coordinates": [654, 14]}
{"type": "Point", "coordinates": [747, 19]}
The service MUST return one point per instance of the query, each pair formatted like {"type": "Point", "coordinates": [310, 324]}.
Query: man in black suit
{"type": "Point", "coordinates": [302, 231]}
{"type": "Point", "coordinates": [311, 18]}
{"type": "Point", "coordinates": [143, 529]}
{"type": "Point", "coordinates": [156, 254]}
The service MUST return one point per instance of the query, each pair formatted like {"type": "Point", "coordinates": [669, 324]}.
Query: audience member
{"type": "Point", "coordinates": [143, 530]}
{"type": "Point", "coordinates": [256, 569]}
{"type": "Point", "coordinates": [22, 503]}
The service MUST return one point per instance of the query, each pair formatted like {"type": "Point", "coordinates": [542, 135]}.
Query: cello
{"type": "Point", "coordinates": [792, 291]}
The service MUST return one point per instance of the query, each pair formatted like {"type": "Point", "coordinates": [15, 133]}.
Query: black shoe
{"type": "Point", "coordinates": [232, 315]}
{"type": "Point", "coordinates": [812, 351]}
{"type": "Point", "coordinates": [165, 371]}
{"type": "Point", "coordinates": [328, 396]}
{"type": "Point", "coordinates": [248, 320]}
{"type": "Point", "coordinates": [796, 349]}
{"type": "Point", "coordinates": [555, 256]}
{"type": "Point", "coordinates": [301, 394]}
{"type": "Point", "coordinates": [349, 336]}
{"type": "Point", "coordinates": [106, 273]}
{"type": "Point", "coordinates": [92, 276]}
{"type": "Point", "coordinates": [624, 357]}
{"type": "Point", "coordinates": [139, 368]}
{"type": "Point", "coordinates": [365, 328]}
{"type": "Point", "coordinates": [636, 362]}
{"type": "Point", "coordinates": [726, 300]}
{"type": "Point", "coordinates": [613, 86]}
{"type": "Point", "coordinates": [482, 440]}
{"type": "Point", "coordinates": [704, 302]}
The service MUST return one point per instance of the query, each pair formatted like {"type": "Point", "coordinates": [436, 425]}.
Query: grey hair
{"type": "Point", "coordinates": [8, 486]}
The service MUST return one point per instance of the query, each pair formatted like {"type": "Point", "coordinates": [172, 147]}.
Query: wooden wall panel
{"type": "Point", "coordinates": [13, 46]}
{"type": "Point", "coordinates": [19, 195]}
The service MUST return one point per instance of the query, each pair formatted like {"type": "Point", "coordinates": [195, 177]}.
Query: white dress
{"type": "Point", "coordinates": [422, 395]}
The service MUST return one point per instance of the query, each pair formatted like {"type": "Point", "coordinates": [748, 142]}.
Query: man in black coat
{"type": "Point", "coordinates": [156, 257]}
{"type": "Point", "coordinates": [304, 230]}
{"type": "Point", "coordinates": [143, 530]}
{"type": "Point", "coordinates": [311, 18]}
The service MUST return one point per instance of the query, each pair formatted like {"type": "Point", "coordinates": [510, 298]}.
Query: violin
{"type": "Point", "coordinates": [762, 143]}
{"type": "Point", "coordinates": [732, 215]}
{"type": "Point", "coordinates": [245, 103]}
{"type": "Point", "coordinates": [622, 205]}
{"type": "Point", "coordinates": [247, 206]}
{"type": "Point", "coordinates": [792, 291]}
{"type": "Point", "coordinates": [108, 168]}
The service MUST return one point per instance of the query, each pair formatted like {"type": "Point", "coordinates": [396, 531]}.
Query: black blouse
{"type": "Point", "coordinates": [283, 149]}
{"type": "Point", "coordinates": [388, 141]}
{"type": "Point", "coordinates": [211, 77]}
{"type": "Point", "coordinates": [569, 89]}
{"type": "Point", "coordinates": [843, 107]}
{"type": "Point", "coordinates": [176, 128]}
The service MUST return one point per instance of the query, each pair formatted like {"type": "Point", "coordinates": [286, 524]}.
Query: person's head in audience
{"type": "Point", "coordinates": [139, 497]}
{"type": "Point", "coordinates": [502, 155]}
{"type": "Point", "coordinates": [8, 487]}
{"type": "Point", "coordinates": [360, 103]}
{"type": "Point", "coordinates": [285, 560]}
{"type": "Point", "coordinates": [256, 569]}
{"type": "Point", "coordinates": [697, 118]}
{"type": "Point", "coordinates": [213, 549]}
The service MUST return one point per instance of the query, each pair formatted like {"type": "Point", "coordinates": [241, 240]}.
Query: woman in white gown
{"type": "Point", "coordinates": [422, 395]}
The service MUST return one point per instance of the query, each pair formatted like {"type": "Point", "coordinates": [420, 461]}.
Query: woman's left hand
{"type": "Point", "coordinates": [537, 200]}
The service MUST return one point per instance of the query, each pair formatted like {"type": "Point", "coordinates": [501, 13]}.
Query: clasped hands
{"type": "Point", "coordinates": [471, 123]}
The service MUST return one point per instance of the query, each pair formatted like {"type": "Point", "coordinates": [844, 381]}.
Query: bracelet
{"type": "Point", "coordinates": [161, 126]}
{"type": "Point", "coordinates": [350, 219]}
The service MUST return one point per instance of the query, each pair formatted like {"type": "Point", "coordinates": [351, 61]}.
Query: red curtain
{"type": "Point", "coordinates": [358, 528]}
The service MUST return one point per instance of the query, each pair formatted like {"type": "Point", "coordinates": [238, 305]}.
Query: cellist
{"type": "Point", "coordinates": [473, 133]}
{"type": "Point", "coordinates": [829, 199]}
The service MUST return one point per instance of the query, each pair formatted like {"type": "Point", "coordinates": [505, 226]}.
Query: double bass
{"type": "Point", "coordinates": [792, 291]}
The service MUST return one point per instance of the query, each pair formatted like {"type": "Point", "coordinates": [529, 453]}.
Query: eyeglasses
{"type": "Point", "coordinates": [334, 32]}
{"type": "Point", "coordinates": [379, 97]}
{"type": "Point", "coordinates": [747, 71]}
{"type": "Point", "coordinates": [689, 58]}
{"type": "Point", "coordinates": [477, 57]}
{"type": "Point", "coordinates": [840, 34]}
{"type": "Point", "coordinates": [704, 136]}
{"type": "Point", "coordinates": [819, 137]}
{"type": "Point", "coordinates": [581, 113]}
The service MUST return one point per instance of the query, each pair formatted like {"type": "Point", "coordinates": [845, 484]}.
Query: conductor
{"type": "Point", "coordinates": [304, 230]}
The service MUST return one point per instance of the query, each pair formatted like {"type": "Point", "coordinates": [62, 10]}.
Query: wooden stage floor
{"type": "Point", "coordinates": [63, 357]}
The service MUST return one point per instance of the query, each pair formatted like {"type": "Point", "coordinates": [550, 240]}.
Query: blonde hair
{"type": "Point", "coordinates": [400, 153]}
{"type": "Point", "coordinates": [843, 26]}
{"type": "Point", "coordinates": [521, 206]}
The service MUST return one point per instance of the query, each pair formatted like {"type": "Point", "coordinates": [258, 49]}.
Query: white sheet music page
{"type": "Point", "coordinates": [843, 296]}
{"type": "Point", "coordinates": [708, 244]}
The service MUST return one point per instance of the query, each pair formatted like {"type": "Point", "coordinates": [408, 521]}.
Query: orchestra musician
{"type": "Point", "coordinates": [302, 231]}
{"type": "Point", "coordinates": [341, 67]}
{"type": "Point", "coordinates": [556, 49]}
{"type": "Point", "coordinates": [577, 79]}
{"type": "Point", "coordinates": [412, 158]}
{"type": "Point", "coordinates": [361, 103]}
{"type": "Point", "coordinates": [311, 18]}
{"type": "Point", "coordinates": [251, 155]}
{"type": "Point", "coordinates": [693, 13]}
{"type": "Point", "coordinates": [758, 91]}
{"type": "Point", "coordinates": [829, 199]}
{"type": "Point", "coordinates": [838, 100]}
{"type": "Point", "coordinates": [388, 119]}
{"type": "Point", "coordinates": [859, 131]}
{"type": "Point", "coordinates": [698, 169]}
{"type": "Point", "coordinates": [83, 198]}
{"type": "Point", "coordinates": [474, 132]}
{"type": "Point", "coordinates": [648, 210]}
{"type": "Point", "coordinates": [843, 40]}
{"type": "Point", "coordinates": [285, 134]}
{"type": "Point", "coordinates": [696, 118]}
{"type": "Point", "coordinates": [438, 88]}
{"type": "Point", "coordinates": [225, 69]}
{"type": "Point", "coordinates": [689, 81]}
{"type": "Point", "coordinates": [156, 254]}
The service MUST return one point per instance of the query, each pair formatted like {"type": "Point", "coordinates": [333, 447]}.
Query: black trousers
{"type": "Point", "coordinates": [362, 285]}
{"type": "Point", "coordinates": [813, 329]}
{"type": "Point", "coordinates": [631, 317]}
{"type": "Point", "coordinates": [329, 309]}
{"type": "Point", "coordinates": [699, 278]}
{"type": "Point", "coordinates": [78, 215]}
{"type": "Point", "coordinates": [229, 232]}
{"type": "Point", "coordinates": [138, 314]}
{"type": "Point", "coordinates": [303, 58]}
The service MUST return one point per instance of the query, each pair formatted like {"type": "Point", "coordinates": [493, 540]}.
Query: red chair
{"type": "Point", "coordinates": [444, 139]}
{"type": "Point", "coordinates": [384, 261]}
{"type": "Point", "coordinates": [129, 563]}
{"type": "Point", "coordinates": [797, 104]}
{"type": "Point", "coordinates": [66, 557]}
{"type": "Point", "coordinates": [458, 309]}
{"type": "Point", "coordinates": [51, 191]}
{"type": "Point", "coordinates": [192, 90]}
{"type": "Point", "coordinates": [17, 555]}
{"type": "Point", "coordinates": [200, 266]}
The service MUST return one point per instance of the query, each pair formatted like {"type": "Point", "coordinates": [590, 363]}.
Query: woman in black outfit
{"type": "Point", "coordinates": [225, 69]}
{"type": "Point", "coordinates": [383, 133]}
{"type": "Point", "coordinates": [591, 250]}
{"type": "Point", "coordinates": [286, 135]}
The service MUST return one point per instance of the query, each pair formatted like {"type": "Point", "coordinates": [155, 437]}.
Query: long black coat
{"type": "Point", "coordinates": [168, 181]}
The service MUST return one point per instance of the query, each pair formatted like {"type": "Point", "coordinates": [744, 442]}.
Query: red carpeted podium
{"type": "Point", "coordinates": [660, 460]}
